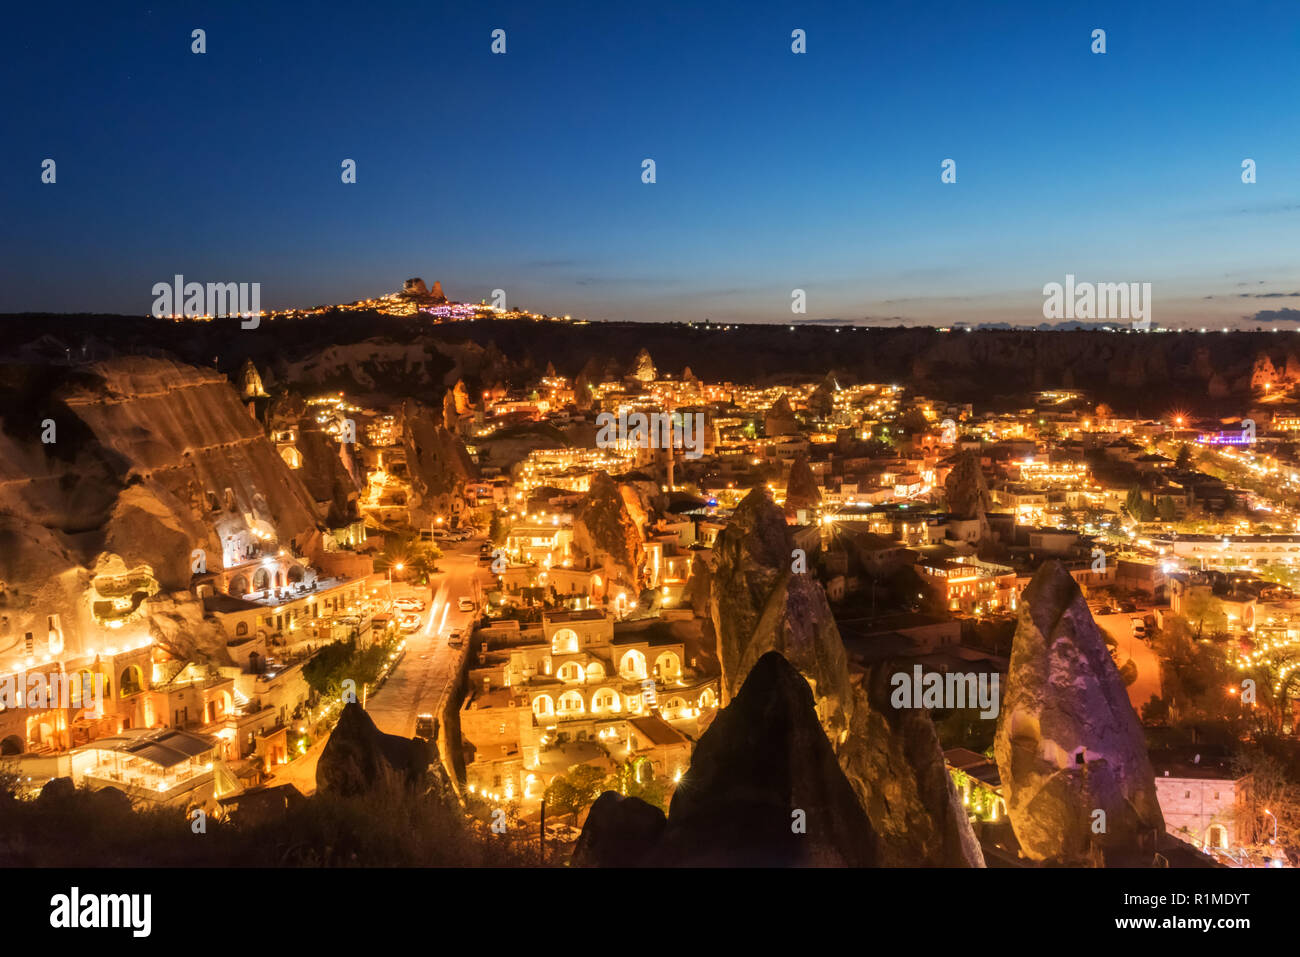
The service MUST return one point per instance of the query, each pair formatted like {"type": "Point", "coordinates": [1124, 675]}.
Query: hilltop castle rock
{"type": "Point", "coordinates": [1068, 743]}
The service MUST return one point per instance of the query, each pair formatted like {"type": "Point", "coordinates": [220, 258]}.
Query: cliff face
{"type": "Point", "coordinates": [149, 460]}
{"type": "Point", "coordinates": [891, 759]}
{"type": "Point", "coordinates": [1068, 743]}
{"type": "Point", "coordinates": [605, 532]}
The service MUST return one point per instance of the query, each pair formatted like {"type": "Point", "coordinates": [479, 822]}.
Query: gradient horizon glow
{"type": "Point", "coordinates": [775, 171]}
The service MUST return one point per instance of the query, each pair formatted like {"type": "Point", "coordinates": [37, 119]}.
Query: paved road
{"type": "Point", "coordinates": [427, 670]}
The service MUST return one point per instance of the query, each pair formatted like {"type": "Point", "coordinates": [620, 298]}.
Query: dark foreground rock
{"type": "Point", "coordinates": [358, 756]}
{"type": "Point", "coordinates": [619, 832]}
{"type": "Point", "coordinates": [764, 788]}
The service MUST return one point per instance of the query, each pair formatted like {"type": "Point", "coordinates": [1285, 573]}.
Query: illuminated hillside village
{"type": "Point", "coordinates": [268, 575]}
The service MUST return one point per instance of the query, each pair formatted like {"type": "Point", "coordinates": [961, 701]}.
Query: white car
{"type": "Point", "coordinates": [409, 604]}
{"type": "Point", "coordinates": [465, 603]}
{"type": "Point", "coordinates": [408, 623]}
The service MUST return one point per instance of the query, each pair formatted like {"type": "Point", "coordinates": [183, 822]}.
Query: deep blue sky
{"type": "Point", "coordinates": [775, 171]}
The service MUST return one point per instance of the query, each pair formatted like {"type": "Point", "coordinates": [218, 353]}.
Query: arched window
{"type": "Point", "coordinates": [632, 665]}
{"type": "Point", "coordinates": [707, 698]}
{"type": "Point", "coordinates": [543, 706]}
{"type": "Point", "coordinates": [565, 642]}
{"type": "Point", "coordinates": [241, 629]}
{"type": "Point", "coordinates": [131, 682]}
{"type": "Point", "coordinates": [668, 666]}
{"type": "Point", "coordinates": [595, 671]}
{"type": "Point", "coordinates": [674, 705]}
{"type": "Point", "coordinates": [571, 671]}
{"type": "Point", "coordinates": [571, 703]}
{"type": "Point", "coordinates": [605, 701]}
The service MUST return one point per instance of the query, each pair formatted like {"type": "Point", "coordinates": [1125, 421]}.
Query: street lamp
{"type": "Point", "coordinates": [1272, 815]}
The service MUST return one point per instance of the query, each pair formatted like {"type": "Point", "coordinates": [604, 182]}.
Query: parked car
{"type": "Point", "coordinates": [408, 623]}
{"type": "Point", "coordinates": [410, 604]}
{"type": "Point", "coordinates": [465, 603]}
{"type": "Point", "coordinates": [424, 726]}
{"type": "Point", "coordinates": [456, 638]}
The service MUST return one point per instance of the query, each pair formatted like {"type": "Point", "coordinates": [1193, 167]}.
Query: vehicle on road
{"type": "Point", "coordinates": [456, 638]}
{"type": "Point", "coordinates": [465, 603]}
{"type": "Point", "coordinates": [410, 604]}
{"type": "Point", "coordinates": [424, 726]}
{"type": "Point", "coordinates": [408, 623]}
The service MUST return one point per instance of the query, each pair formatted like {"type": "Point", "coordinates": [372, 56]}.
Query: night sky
{"type": "Point", "coordinates": [775, 171]}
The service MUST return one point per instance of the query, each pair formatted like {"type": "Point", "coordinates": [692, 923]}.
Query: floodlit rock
{"type": "Point", "coordinates": [1068, 743]}
{"type": "Point", "coordinates": [967, 492]}
{"type": "Point", "coordinates": [764, 788]}
{"type": "Point", "coordinates": [758, 603]}
{"type": "Point", "coordinates": [892, 760]}
{"type": "Point", "coordinates": [358, 757]}
{"type": "Point", "coordinates": [780, 418]}
{"type": "Point", "coordinates": [605, 532]}
{"type": "Point", "coordinates": [437, 462]}
{"type": "Point", "coordinates": [619, 832]}
{"type": "Point", "coordinates": [801, 487]}
{"type": "Point", "coordinates": [643, 367]}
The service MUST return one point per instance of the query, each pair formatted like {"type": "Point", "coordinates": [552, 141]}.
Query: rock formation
{"type": "Point", "coordinates": [893, 761]}
{"type": "Point", "coordinates": [619, 832]}
{"type": "Point", "coordinates": [358, 757]}
{"type": "Point", "coordinates": [967, 493]}
{"type": "Point", "coordinates": [780, 419]}
{"type": "Point", "coordinates": [764, 788]}
{"type": "Point", "coordinates": [437, 462]}
{"type": "Point", "coordinates": [643, 367]}
{"type": "Point", "coordinates": [801, 490]}
{"type": "Point", "coordinates": [1068, 743]}
{"type": "Point", "coordinates": [605, 533]}
{"type": "Point", "coordinates": [822, 401]}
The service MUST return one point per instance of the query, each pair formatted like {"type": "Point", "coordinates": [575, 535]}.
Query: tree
{"type": "Point", "coordinates": [572, 792]}
{"type": "Point", "coordinates": [636, 778]}
{"type": "Point", "coordinates": [1167, 509]}
{"type": "Point", "coordinates": [1184, 458]}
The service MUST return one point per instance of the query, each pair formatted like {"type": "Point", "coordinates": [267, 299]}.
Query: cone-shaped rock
{"type": "Point", "coordinates": [1068, 743]}
{"type": "Point", "coordinates": [758, 603]}
{"type": "Point", "coordinates": [358, 756]}
{"type": "Point", "coordinates": [764, 788]}
{"type": "Point", "coordinates": [619, 832]}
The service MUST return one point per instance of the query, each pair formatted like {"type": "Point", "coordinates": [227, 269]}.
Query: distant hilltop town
{"type": "Point", "coordinates": [414, 299]}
